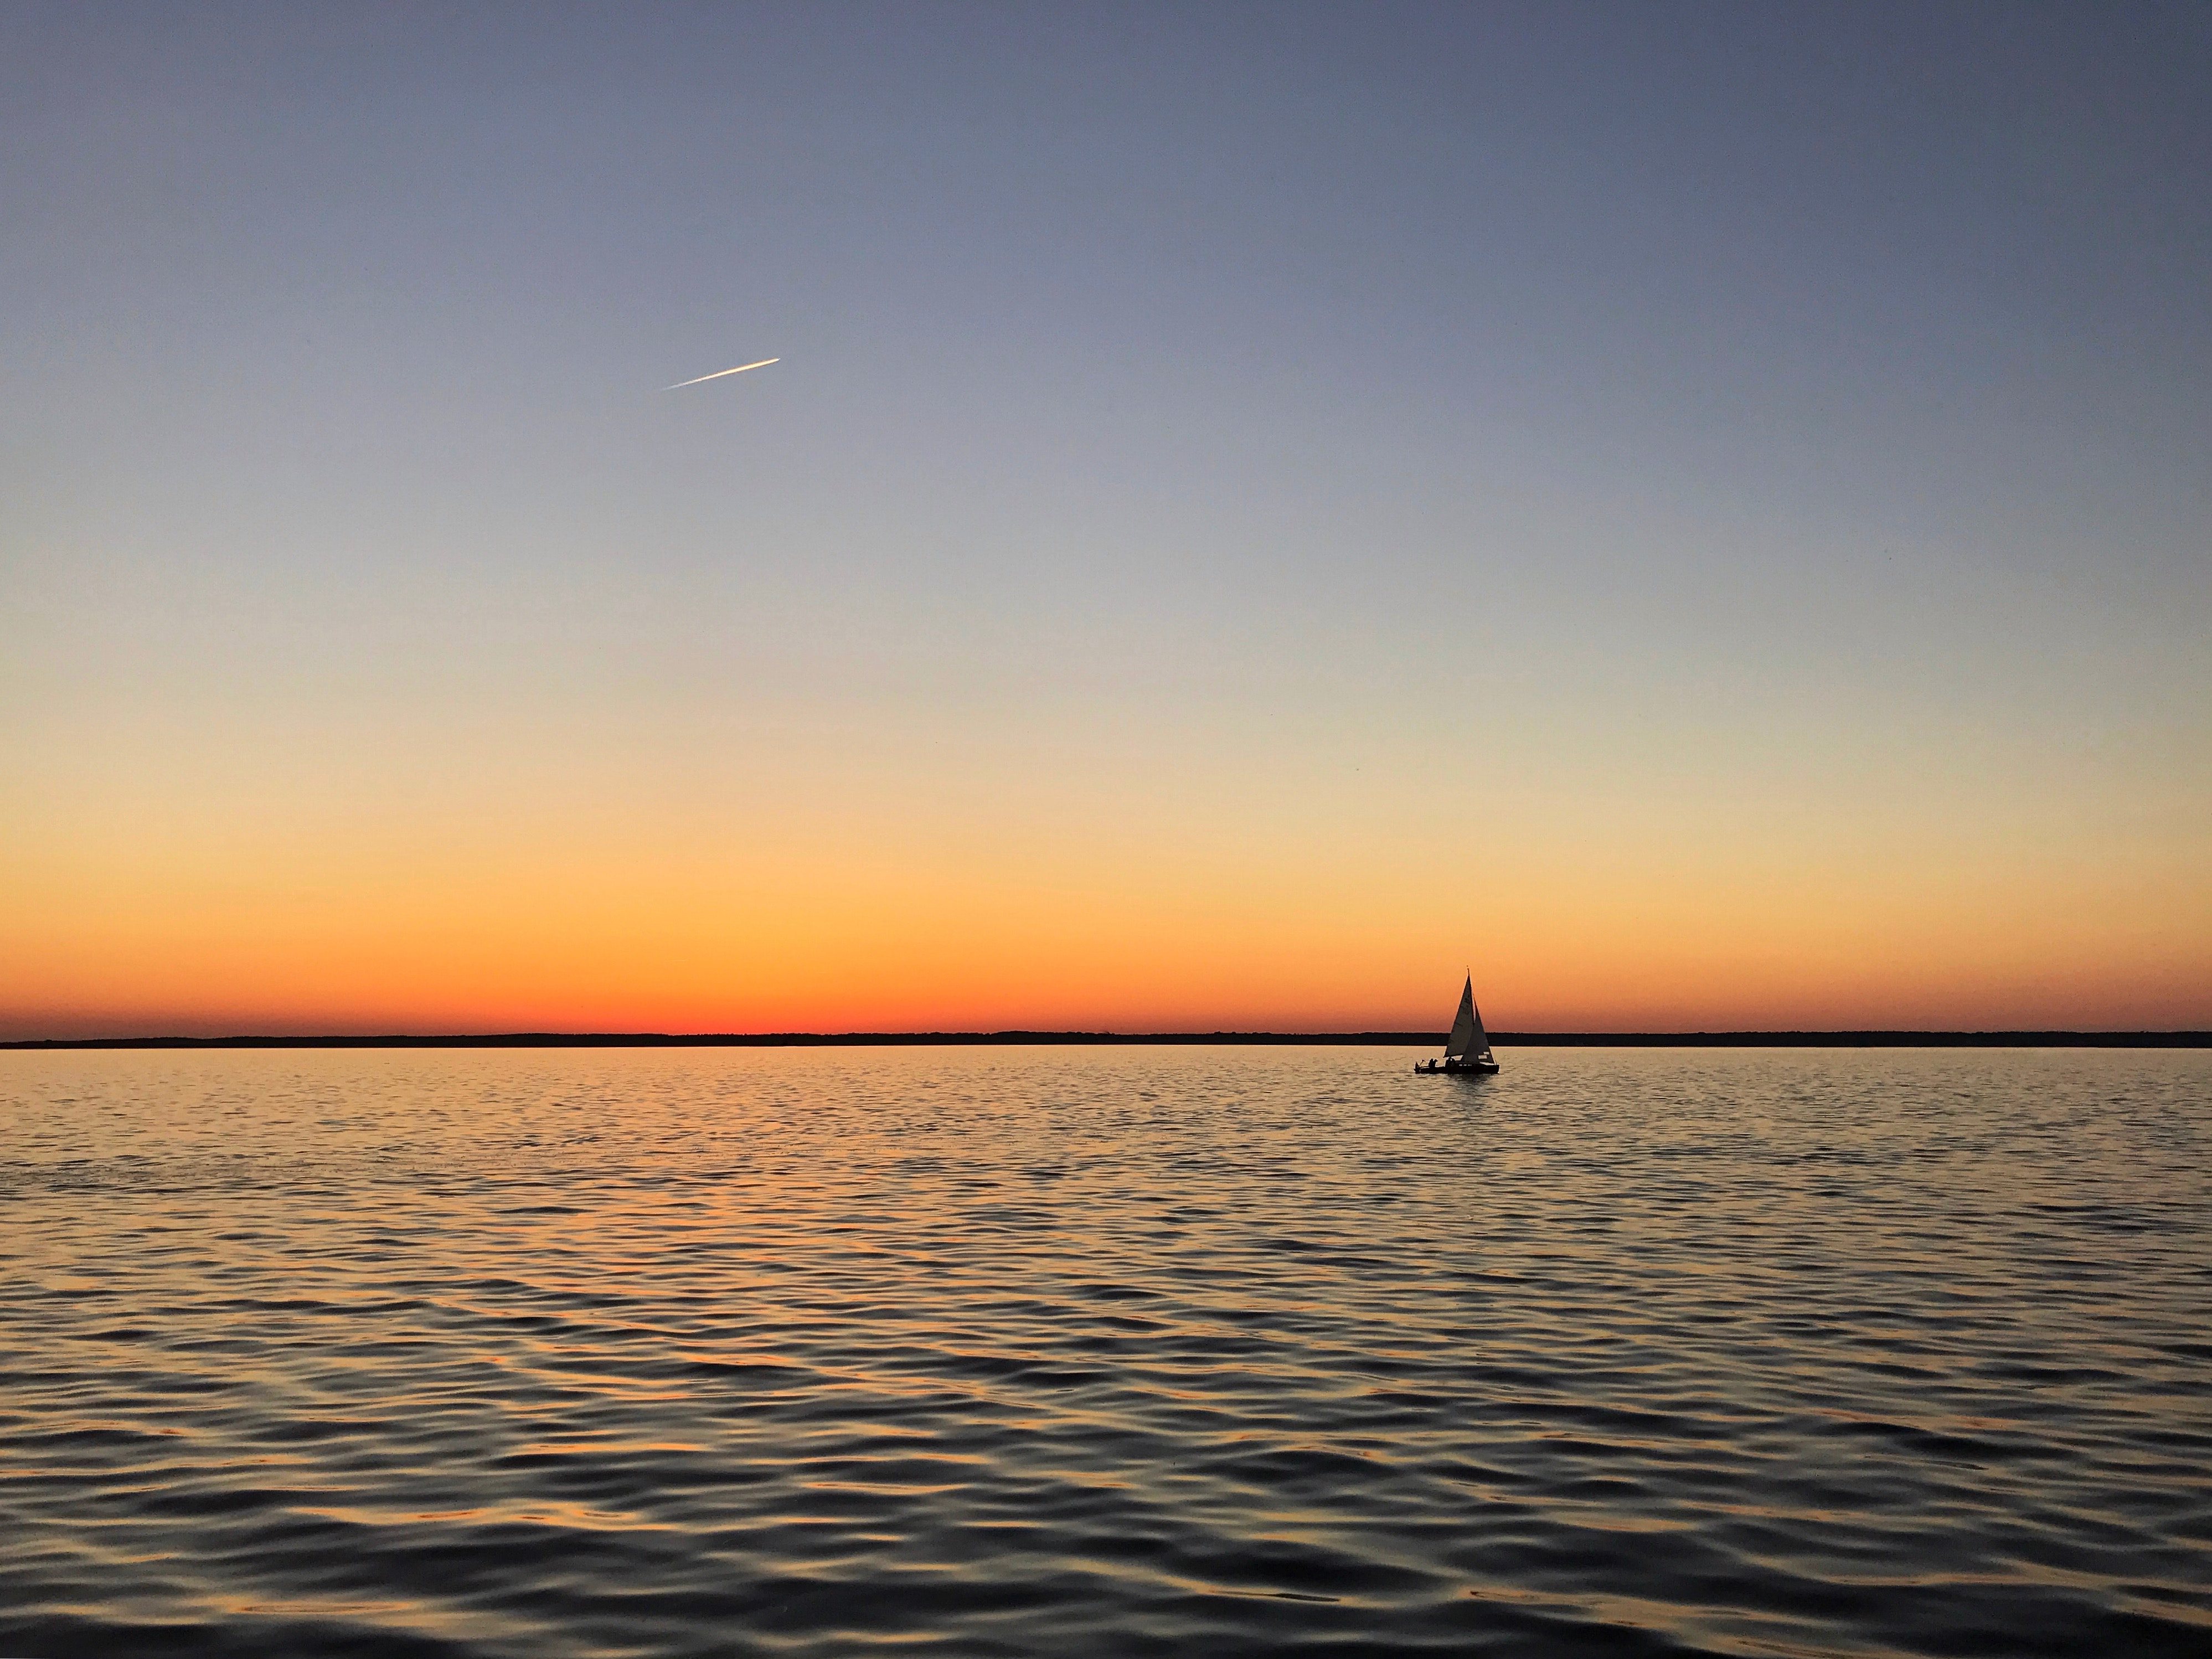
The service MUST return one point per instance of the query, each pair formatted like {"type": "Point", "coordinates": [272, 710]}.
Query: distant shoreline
{"type": "Point", "coordinates": [960, 1039]}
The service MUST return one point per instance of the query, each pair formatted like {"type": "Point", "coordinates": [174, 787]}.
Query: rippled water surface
{"type": "Point", "coordinates": [1105, 1352]}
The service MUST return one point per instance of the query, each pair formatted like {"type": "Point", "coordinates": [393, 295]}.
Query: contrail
{"type": "Point", "coordinates": [719, 372]}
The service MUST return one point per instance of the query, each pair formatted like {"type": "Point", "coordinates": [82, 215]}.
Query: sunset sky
{"type": "Point", "coordinates": [1702, 515]}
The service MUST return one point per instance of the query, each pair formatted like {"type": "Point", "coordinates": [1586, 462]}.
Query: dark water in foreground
{"type": "Point", "coordinates": [1084, 1352]}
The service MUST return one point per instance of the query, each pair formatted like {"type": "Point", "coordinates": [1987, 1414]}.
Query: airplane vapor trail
{"type": "Point", "coordinates": [719, 372]}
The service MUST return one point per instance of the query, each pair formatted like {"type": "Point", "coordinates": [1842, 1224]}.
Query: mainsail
{"type": "Point", "coordinates": [1467, 1037]}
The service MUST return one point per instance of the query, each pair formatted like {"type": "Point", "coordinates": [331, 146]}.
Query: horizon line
{"type": "Point", "coordinates": [1860, 1038]}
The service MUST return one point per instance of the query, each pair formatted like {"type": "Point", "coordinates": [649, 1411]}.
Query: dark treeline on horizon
{"type": "Point", "coordinates": [949, 1039]}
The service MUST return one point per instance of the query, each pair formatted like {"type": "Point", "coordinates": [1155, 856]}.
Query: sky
{"type": "Point", "coordinates": [1700, 515]}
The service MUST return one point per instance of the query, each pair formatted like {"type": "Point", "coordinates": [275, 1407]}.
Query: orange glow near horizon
{"type": "Point", "coordinates": [613, 888]}
{"type": "Point", "coordinates": [1079, 936]}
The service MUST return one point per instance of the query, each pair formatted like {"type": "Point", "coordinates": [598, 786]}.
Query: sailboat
{"type": "Point", "coordinates": [1467, 1049]}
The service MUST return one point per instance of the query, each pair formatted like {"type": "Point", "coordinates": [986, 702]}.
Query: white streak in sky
{"type": "Point", "coordinates": [719, 372]}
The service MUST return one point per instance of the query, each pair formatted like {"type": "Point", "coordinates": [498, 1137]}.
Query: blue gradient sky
{"type": "Point", "coordinates": [1704, 511]}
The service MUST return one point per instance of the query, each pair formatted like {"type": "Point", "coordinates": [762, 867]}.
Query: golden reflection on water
{"type": "Point", "coordinates": [586, 1352]}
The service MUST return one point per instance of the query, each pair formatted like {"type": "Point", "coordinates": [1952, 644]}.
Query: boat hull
{"type": "Point", "coordinates": [1458, 1068]}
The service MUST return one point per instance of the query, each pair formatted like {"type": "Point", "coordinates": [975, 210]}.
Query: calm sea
{"type": "Point", "coordinates": [1105, 1352]}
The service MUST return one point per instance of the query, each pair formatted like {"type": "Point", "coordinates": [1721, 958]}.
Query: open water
{"type": "Point", "coordinates": [1105, 1352]}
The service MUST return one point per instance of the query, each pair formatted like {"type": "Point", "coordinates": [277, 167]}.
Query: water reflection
{"type": "Point", "coordinates": [1093, 1351]}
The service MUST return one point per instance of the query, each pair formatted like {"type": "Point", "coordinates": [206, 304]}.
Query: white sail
{"type": "Point", "coordinates": [1467, 1034]}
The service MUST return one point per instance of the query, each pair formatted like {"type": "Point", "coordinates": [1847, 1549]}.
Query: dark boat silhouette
{"type": "Point", "coordinates": [1467, 1049]}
